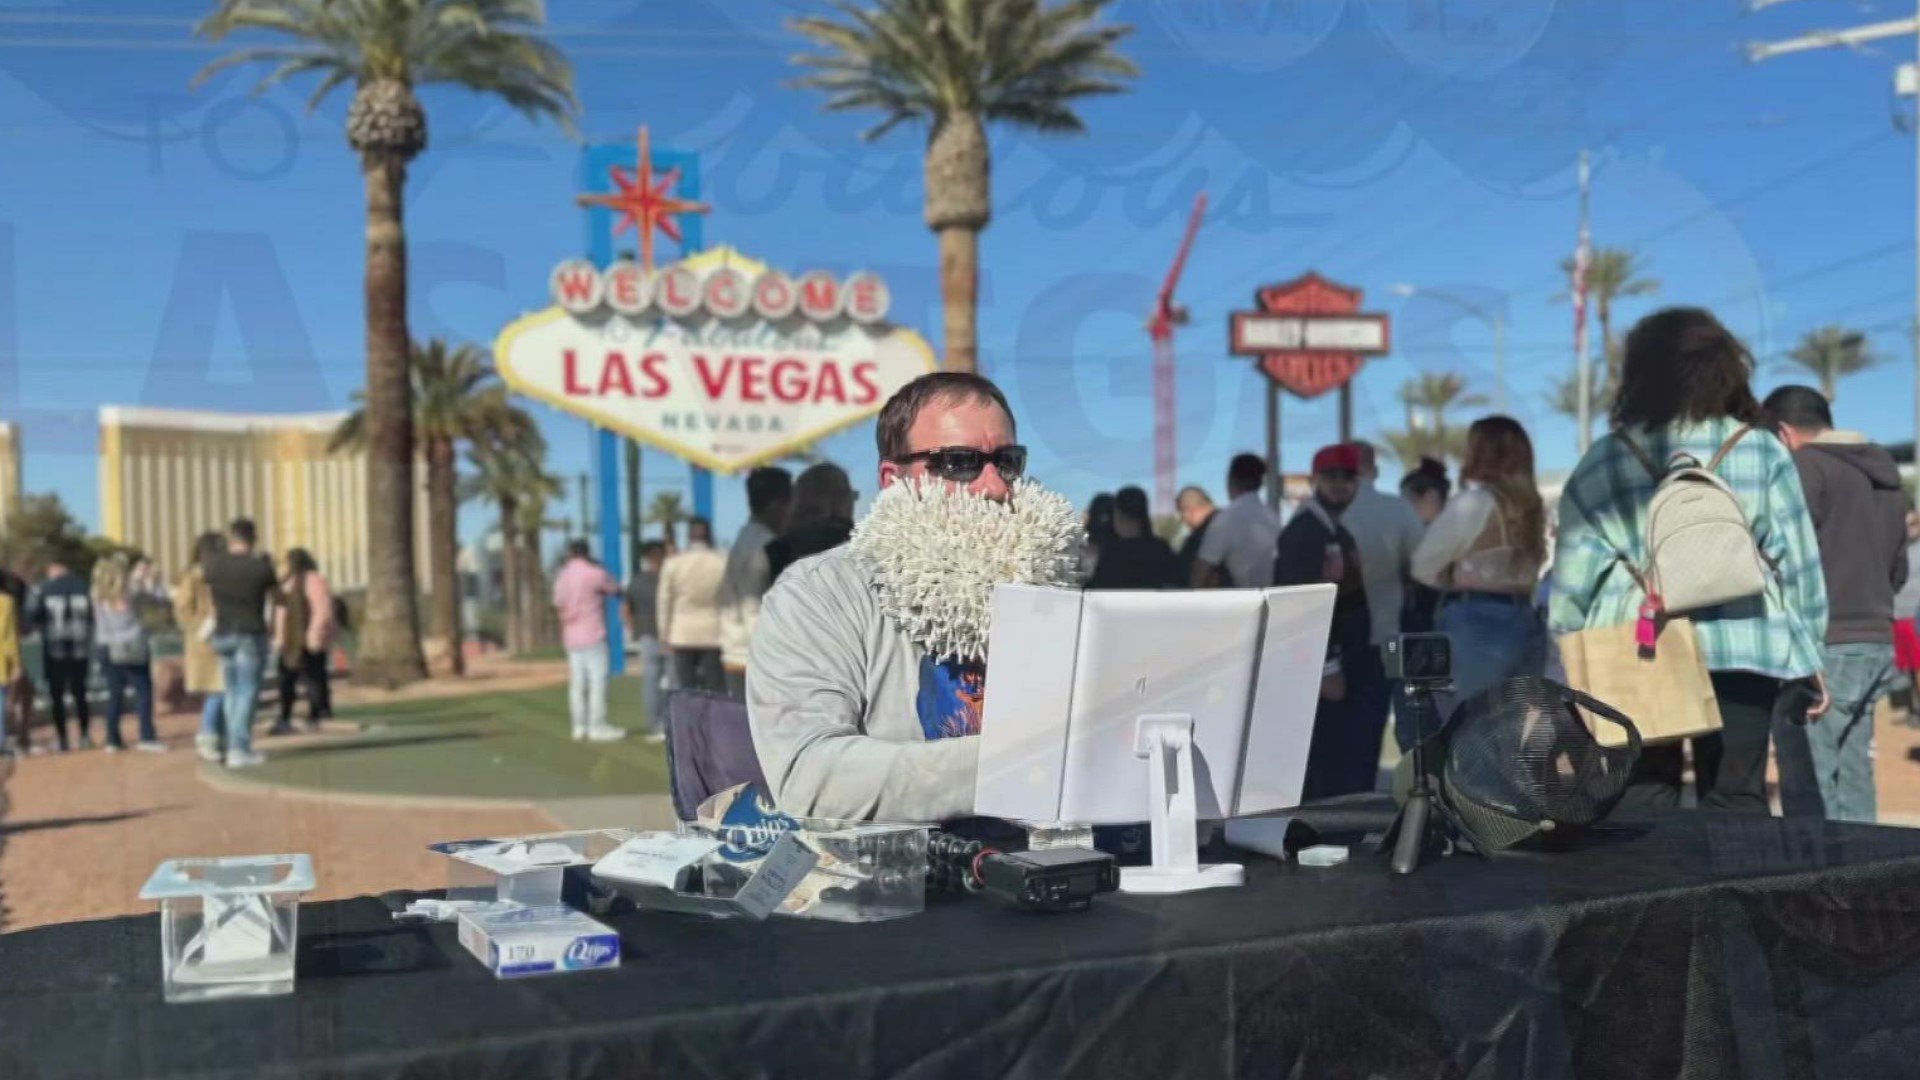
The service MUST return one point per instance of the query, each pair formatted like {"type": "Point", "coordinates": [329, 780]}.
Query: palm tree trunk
{"type": "Point", "coordinates": [515, 636]}
{"type": "Point", "coordinates": [1605, 312]}
{"type": "Point", "coordinates": [1829, 385]}
{"type": "Point", "coordinates": [959, 287]}
{"type": "Point", "coordinates": [443, 525]}
{"type": "Point", "coordinates": [532, 585]}
{"type": "Point", "coordinates": [959, 205]}
{"type": "Point", "coordinates": [390, 638]}
{"type": "Point", "coordinates": [634, 509]}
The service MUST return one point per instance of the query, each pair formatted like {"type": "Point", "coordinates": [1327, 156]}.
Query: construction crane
{"type": "Point", "coordinates": [1166, 316]}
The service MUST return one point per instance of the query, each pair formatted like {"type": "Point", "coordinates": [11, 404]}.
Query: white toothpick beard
{"type": "Point", "coordinates": [937, 553]}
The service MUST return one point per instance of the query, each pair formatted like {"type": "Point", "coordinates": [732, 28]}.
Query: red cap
{"type": "Point", "coordinates": [1338, 458]}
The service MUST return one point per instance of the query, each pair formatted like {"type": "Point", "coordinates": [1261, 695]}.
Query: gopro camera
{"type": "Point", "coordinates": [1422, 661]}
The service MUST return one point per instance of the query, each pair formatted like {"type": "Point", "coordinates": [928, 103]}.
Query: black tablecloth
{"type": "Point", "coordinates": [1688, 944]}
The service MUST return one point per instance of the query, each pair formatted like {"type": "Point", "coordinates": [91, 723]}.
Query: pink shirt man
{"type": "Point", "coordinates": [580, 593]}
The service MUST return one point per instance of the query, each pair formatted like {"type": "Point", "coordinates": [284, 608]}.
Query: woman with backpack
{"type": "Point", "coordinates": [1685, 402]}
{"type": "Point", "coordinates": [1483, 554]}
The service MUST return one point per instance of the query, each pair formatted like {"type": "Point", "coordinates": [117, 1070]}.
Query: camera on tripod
{"type": "Point", "coordinates": [1422, 661]}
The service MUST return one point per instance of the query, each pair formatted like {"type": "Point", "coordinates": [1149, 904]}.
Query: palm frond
{"type": "Point", "coordinates": [1018, 61]}
{"type": "Point", "coordinates": [491, 47]}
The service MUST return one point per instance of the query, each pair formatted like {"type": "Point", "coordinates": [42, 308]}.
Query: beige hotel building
{"type": "Point", "coordinates": [9, 474]}
{"type": "Point", "coordinates": [167, 475]}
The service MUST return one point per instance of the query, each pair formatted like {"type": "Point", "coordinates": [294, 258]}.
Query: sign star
{"type": "Point", "coordinates": [645, 202]}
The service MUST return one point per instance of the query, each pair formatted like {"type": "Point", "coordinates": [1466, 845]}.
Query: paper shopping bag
{"type": "Point", "coordinates": [1668, 694]}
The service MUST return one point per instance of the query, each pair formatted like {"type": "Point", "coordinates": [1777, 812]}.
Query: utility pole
{"type": "Point", "coordinates": [1582, 259]}
{"type": "Point", "coordinates": [1904, 83]}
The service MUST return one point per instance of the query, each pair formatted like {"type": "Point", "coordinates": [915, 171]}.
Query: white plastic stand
{"type": "Point", "coordinates": [1165, 740]}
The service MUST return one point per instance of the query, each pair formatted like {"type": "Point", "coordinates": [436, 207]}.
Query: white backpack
{"type": "Point", "coordinates": [1700, 548]}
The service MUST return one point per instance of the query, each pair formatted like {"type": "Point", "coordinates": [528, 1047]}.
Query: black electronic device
{"type": "Point", "coordinates": [1054, 879]}
{"type": "Point", "coordinates": [1424, 662]}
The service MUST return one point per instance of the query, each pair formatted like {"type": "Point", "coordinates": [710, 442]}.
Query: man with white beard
{"type": "Point", "coordinates": [866, 678]}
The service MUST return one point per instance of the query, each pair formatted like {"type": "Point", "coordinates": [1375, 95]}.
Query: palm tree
{"type": "Point", "coordinates": [386, 48]}
{"type": "Point", "coordinates": [1427, 398]}
{"type": "Point", "coordinates": [1832, 353]}
{"type": "Point", "coordinates": [1564, 398]}
{"type": "Point", "coordinates": [1431, 394]}
{"type": "Point", "coordinates": [668, 511]}
{"type": "Point", "coordinates": [537, 489]}
{"type": "Point", "coordinates": [1612, 274]}
{"type": "Point", "coordinates": [507, 469]}
{"type": "Point", "coordinates": [958, 65]}
{"type": "Point", "coordinates": [456, 399]}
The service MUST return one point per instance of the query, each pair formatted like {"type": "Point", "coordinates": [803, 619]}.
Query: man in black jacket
{"type": "Point", "coordinates": [1134, 558]}
{"type": "Point", "coordinates": [62, 613]}
{"type": "Point", "coordinates": [1314, 547]}
{"type": "Point", "coordinates": [1859, 510]}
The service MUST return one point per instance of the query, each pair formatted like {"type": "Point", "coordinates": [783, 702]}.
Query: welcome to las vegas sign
{"type": "Point", "coordinates": [718, 358]}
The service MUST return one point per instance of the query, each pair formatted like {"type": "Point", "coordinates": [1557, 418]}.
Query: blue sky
{"type": "Point", "coordinates": [183, 248]}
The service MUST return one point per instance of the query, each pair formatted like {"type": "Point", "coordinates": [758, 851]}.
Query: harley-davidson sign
{"type": "Point", "coordinates": [1309, 334]}
{"type": "Point", "coordinates": [718, 359]}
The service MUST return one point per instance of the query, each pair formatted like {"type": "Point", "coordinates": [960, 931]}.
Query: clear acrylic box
{"type": "Point", "coordinates": [228, 927]}
{"type": "Point", "coordinates": [867, 872]}
{"type": "Point", "coordinates": [528, 870]}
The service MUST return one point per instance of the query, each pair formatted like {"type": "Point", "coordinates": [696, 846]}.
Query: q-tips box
{"type": "Point", "coordinates": [538, 941]}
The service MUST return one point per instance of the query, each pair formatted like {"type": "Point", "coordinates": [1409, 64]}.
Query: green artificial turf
{"type": "Point", "coordinates": [508, 745]}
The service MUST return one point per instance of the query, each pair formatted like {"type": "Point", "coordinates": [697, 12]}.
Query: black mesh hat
{"type": "Point", "coordinates": [1519, 761]}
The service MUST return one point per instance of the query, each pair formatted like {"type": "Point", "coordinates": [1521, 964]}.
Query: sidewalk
{"type": "Point", "coordinates": [84, 830]}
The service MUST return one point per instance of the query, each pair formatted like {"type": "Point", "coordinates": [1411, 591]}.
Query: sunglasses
{"type": "Point", "coordinates": [964, 464]}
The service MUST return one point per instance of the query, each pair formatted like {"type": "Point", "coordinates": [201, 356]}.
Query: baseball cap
{"type": "Point", "coordinates": [1338, 458]}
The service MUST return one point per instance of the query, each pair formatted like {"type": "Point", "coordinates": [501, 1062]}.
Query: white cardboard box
{"type": "Point", "coordinates": [538, 941]}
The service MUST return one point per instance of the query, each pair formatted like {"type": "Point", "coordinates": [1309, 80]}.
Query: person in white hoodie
{"type": "Point", "coordinates": [769, 491]}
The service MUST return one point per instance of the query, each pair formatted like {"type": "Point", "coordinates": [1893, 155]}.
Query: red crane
{"type": "Point", "coordinates": [1166, 316]}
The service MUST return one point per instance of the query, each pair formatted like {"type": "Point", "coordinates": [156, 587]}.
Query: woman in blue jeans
{"type": "Point", "coordinates": [125, 653]}
{"type": "Point", "coordinates": [1484, 553]}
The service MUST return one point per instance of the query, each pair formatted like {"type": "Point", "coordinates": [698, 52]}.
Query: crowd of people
{"type": "Point", "coordinates": [237, 616]}
{"type": "Point", "coordinates": [1800, 665]}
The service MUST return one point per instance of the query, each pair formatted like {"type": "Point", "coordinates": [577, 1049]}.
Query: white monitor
{"type": "Point", "coordinates": [1163, 707]}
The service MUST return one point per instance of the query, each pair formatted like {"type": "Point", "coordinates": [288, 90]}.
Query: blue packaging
{"type": "Point", "coordinates": [549, 940]}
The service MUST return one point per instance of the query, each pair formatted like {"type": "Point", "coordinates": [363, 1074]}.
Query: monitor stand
{"type": "Point", "coordinates": [1165, 740]}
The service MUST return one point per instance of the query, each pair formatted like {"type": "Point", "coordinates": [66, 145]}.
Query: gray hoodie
{"type": "Point", "coordinates": [834, 696]}
{"type": "Point", "coordinates": [1860, 513]}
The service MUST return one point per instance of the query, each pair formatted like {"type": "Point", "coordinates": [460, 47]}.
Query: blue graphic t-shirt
{"type": "Point", "coordinates": [952, 696]}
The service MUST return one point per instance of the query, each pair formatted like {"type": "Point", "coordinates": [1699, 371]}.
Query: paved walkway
{"type": "Point", "coordinates": [84, 830]}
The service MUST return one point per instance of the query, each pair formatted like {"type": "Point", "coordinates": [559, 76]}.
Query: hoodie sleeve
{"type": "Point", "coordinates": [1813, 486]}
{"type": "Point", "coordinates": [806, 700]}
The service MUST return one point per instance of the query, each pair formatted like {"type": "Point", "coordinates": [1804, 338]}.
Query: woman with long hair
{"type": "Point", "coordinates": [125, 652]}
{"type": "Point", "coordinates": [819, 518]}
{"type": "Point", "coordinates": [303, 631]}
{"type": "Point", "coordinates": [193, 613]}
{"type": "Point", "coordinates": [1685, 390]}
{"type": "Point", "coordinates": [1484, 554]}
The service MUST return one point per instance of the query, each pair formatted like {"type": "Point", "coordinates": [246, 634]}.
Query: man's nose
{"type": "Point", "coordinates": [991, 484]}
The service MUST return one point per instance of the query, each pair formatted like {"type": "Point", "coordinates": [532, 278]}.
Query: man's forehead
{"type": "Point", "coordinates": [950, 413]}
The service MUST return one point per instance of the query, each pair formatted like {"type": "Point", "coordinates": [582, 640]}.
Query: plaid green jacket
{"type": "Point", "coordinates": [1602, 522]}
